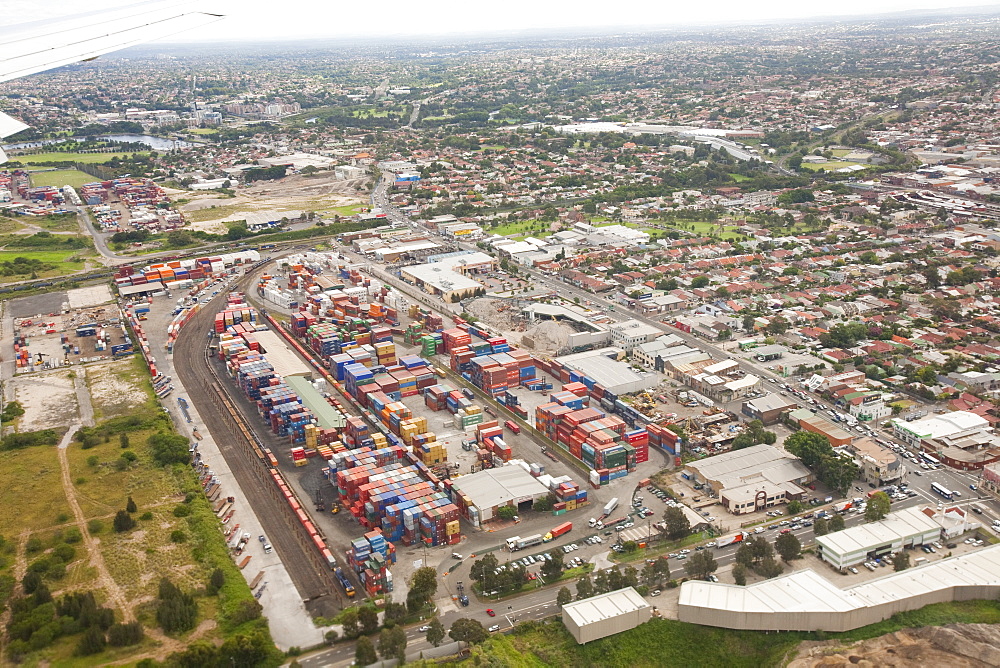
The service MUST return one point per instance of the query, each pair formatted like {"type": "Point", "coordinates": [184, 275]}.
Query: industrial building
{"type": "Point", "coordinates": [806, 601]}
{"type": "Point", "coordinates": [298, 161]}
{"type": "Point", "coordinates": [603, 366]}
{"type": "Point", "coordinates": [605, 615]}
{"type": "Point", "coordinates": [282, 359]}
{"type": "Point", "coordinates": [589, 333]}
{"type": "Point", "coordinates": [479, 495]}
{"type": "Point", "coordinates": [438, 279]}
{"type": "Point", "coordinates": [769, 408]}
{"type": "Point", "coordinates": [751, 479]}
{"type": "Point", "coordinates": [810, 421]}
{"type": "Point", "coordinates": [904, 528]}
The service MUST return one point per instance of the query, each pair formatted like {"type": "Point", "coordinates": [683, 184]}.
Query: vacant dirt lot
{"type": "Point", "coordinates": [48, 398]}
{"type": "Point", "coordinates": [115, 388]}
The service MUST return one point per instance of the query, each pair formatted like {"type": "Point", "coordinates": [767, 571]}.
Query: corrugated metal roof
{"type": "Point", "coordinates": [285, 362]}
{"type": "Point", "coordinates": [494, 487]}
{"type": "Point", "coordinates": [902, 524]}
{"type": "Point", "coordinates": [604, 606]}
{"type": "Point", "coordinates": [808, 592]}
{"type": "Point", "coordinates": [328, 416]}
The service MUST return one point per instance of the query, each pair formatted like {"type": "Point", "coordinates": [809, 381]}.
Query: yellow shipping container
{"type": "Point", "coordinates": [452, 528]}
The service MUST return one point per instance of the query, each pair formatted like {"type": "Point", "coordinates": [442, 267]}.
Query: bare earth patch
{"type": "Point", "coordinates": [115, 388]}
{"type": "Point", "coordinates": [49, 400]}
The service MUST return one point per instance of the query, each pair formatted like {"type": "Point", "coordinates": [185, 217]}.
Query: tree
{"type": "Point", "coordinates": [392, 643]}
{"type": "Point", "coordinates": [901, 561]}
{"type": "Point", "coordinates": [788, 546]}
{"type": "Point", "coordinates": [123, 522]}
{"type": "Point", "coordinates": [563, 597]}
{"type": "Point", "coordinates": [436, 632]}
{"type": "Point", "coordinates": [177, 611]}
{"type": "Point", "coordinates": [778, 325]}
{"type": "Point", "coordinates": [424, 582]}
{"type": "Point", "coordinates": [836, 523]}
{"type": "Point", "coordinates": [122, 635]}
{"type": "Point", "coordinates": [584, 588]}
{"type": "Point", "coordinates": [482, 569]}
{"type": "Point", "coordinates": [878, 507]}
{"type": "Point", "coordinates": [677, 524]}
{"type": "Point", "coordinates": [169, 448]}
{"type": "Point", "coordinates": [740, 574]}
{"type": "Point", "coordinates": [468, 630]}
{"type": "Point", "coordinates": [794, 507]}
{"type": "Point", "coordinates": [394, 613]}
{"type": "Point", "coordinates": [552, 568]}
{"type": "Point", "coordinates": [769, 568]}
{"type": "Point", "coordinates": [364, 652]}
{"type": "Point", "coordinates": [701, 565]}
{"type": "Point", "coordinates": [821, 527]}
{"type": "Point", "coordinates": [331, 636]}
{"type": "Point", "coordinates": [368, 619]}
{"type": "Point", "coordinates": [92, 642]}
{"type": "Point", "coordinates": [507, 512]}
{"type": "Point", "coordinates": [699, 281]}
{"type": "Point", "coordinates": [349, 621]}
{"type": "Point", "coordinates": [215, 581]}
{"type": "Point", "coordinates": [130, 507]}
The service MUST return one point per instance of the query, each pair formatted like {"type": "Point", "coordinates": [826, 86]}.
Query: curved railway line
{"type": "Point", "coordinates": [249, 461]}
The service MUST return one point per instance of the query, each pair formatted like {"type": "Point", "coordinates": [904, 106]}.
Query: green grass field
{"type": "Point", "coordinates": [203, 131]}
{"type": "Point", "coordinates": [31, 483]}
{"type": "Point", "coordinates": [66, 262]}
{"type": "Point", "coordinates": [61, 177]}
{"type": "Point", "coordinates": [528, 228]}
{"type": "Point", "coordinates": [828, 166]}
{"type": "Point", "coordinates": [87, 158]}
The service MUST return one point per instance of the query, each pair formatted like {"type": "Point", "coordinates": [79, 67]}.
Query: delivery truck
{"type": "Point", "coordinates": [563, 528]}
{"type": "Point", "coordinates": [517, 543]}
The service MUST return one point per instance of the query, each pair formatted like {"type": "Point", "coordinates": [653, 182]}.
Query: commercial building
{"type": "Point", "coordinates": [879, 465]}
{"type": "Point", "coordinates": [904, 528]}
{"type": "Point", "coordinates": [603, 366]}
{"type": "Point", "coordinates": [605, 615]}
{"type": "Point", "coordinates": [479, 495]}
{"type": "Point", "coordinates": [631, 333]}
{"type": "Point", "coordinates": [769, 408]}
{"type": "Point", "coordinates": [298, 161]}
{"type": "Point", "coordinates": [652, 355]}
{"type": "Point", "coordinates": [960, 439]}
{"type": "Point", "coordinates": [589, 333]}
{"type": "Point", "coordinates": [809, 421]}
{"type": "Point", "coordinates": [751, 479]}
{"type": "Point", "coordinates": [806, 601]}
{"type": "Point", "coordinates": [285, 362]}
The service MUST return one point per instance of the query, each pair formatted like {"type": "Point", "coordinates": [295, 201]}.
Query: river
{"type": "Point", "coordinates": [155, 143]}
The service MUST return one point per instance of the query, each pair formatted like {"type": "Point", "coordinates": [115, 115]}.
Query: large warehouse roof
{"type": "Point", "coordinates": [604, 606]}
{"type": "Point", "coordinates": [730, 468]}
{"type": "Point", "coordinates": [901, 524]}
{"type": "Point", "coordinates": [804, 600]}
{"type": "Point", "coordinates": [498, 487]}
{"type": "Point", "coordinates": [614, 376]}
{"type": "Point", "coordinates": [326, 414]}
{"type": "Point", "coordinates": [937, 426]}
{"type": "Point", "coordinates": [285, 362]}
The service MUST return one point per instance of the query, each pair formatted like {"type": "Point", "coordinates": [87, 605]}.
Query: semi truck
{"type": "Point", "coordinates": [513, 426]}
{"type": "Point", "coordinates": [565, 527]}
{"type": "Point", "coordinates": [517, 543]}
{"type": "Point", "coordinates": [610, 507]}
{"type": "Point", "coordinates": [731, 540]}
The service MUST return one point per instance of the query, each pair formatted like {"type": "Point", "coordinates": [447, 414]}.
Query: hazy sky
{"type": "Point", "coordinates": [284, 19]}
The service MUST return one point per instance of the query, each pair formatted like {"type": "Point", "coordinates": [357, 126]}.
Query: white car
{"type": "Point", "coordinates": [494, 628]}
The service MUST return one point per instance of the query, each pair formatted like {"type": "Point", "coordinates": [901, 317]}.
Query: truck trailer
{"type": "Point", "coordinates": [610, 507]}
{"type": "Point", "coordinates": [731, 540]}
{"type": "Point", "coordinates": [517, 543]}
{"type": "Point", "coordinates": [563, 528]}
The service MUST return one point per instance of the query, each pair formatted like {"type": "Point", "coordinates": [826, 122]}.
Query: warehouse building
{"type": "Point", "coordinates": [479, 495]}
{"type": "Point", "coordinates": [904, 528]}
{"type": "Point", "coordinates": [769, 408]}
{"type": "Point", "coordinates": [809, 421]}
{"type": "Point", "coordinates": [285, 362]}
{"type": "Point", "coordinates": [752, 479]}
{"type": "Point", "coordinates": [439, 280]}
{"type": "Point", "coordinates": [806, 601]}
{"type": "Point", "coordinates": [604, 368]}
{"type": "Point", "coordinates": [605, 615]}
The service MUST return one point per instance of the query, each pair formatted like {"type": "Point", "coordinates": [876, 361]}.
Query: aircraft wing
{"type": "Point", "coordinates": [35, 47]}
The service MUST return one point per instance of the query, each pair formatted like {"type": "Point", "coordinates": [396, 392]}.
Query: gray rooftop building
{"type": "Point", "coordinates": [605, 615]}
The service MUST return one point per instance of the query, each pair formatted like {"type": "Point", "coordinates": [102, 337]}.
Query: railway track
{"type": "Point", "coordinates": [244, 453]}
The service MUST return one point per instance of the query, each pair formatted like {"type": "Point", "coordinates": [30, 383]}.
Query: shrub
{"type": "Point", "coordinates": [64, 552]}
{"type": "Point", "coordinates": [93, 461]}
{"type": "Point", "coordinates": [169, 448]}
{"type": "Point", "coordinates": [62, 518]}
{"type": "Point", "coordinates": [182, 510]}
{"type": "Point", "coordinates": [121, 635]}
{"type": "Point", "coordinates": [34, 544]}
{"type": "Point", "coordinates": [177, 536]}
{"type": "Point", "coordinates": [73, 535]}
{"type": "Point", "coordinates": [177, 611]}
{"type": "Point", "coordinates": [92, 642]}
{"type": "Point", "coordinates": [146, 516]}
{"type": "Point", "coordinates": [95, 526]}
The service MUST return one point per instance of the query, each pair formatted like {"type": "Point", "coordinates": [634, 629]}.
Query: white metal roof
{"type": "Point", "coordinates": [899, 525]}
{"type": "Point", "coordinates": [496, 487]}
{"type": "Point", "coordinates": [808, 592]}
{"type": "Point", "coordinates": [604, 606]}
{"type": "Point", "coordinates": [285, 362]}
